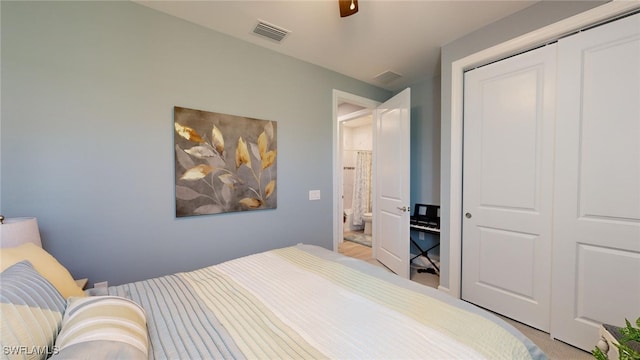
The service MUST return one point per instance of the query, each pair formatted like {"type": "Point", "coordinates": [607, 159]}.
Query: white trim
{"type": "Point", "coordinates": [514, 46]}
{"type": "Point", "coordinates": [338, 97]}
{"type": "Point", "coordinates": [355, 115]}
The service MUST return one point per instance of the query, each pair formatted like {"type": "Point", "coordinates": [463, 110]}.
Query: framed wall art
{"type": "Point", "coordinates": [223, 163]}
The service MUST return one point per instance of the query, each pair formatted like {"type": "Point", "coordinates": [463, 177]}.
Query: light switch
{"type": "Point", "coordinates": [314, 194]}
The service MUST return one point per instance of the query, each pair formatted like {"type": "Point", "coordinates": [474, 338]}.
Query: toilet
{"type": "Point", "coordinates": [367, 217]}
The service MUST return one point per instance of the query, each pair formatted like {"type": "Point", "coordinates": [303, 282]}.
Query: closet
{"type": "Point", "coordinates": [551, 184]}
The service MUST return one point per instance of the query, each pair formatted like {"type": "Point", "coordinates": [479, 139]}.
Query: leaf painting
{"type": "Point", "coordinates": [223, 163]}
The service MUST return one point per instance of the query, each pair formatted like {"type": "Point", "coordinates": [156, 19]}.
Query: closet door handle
{"type": "Point", "coordinates": [467, 215]}
{"type": "Point", "coordinates": [403, 209]}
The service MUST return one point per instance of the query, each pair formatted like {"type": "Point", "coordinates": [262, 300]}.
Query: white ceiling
{"type": "Point", "coordinates": [385, 35]}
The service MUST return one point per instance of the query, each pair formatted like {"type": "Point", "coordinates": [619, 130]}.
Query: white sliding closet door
{"type": "Point", "coordinates": [596, 266]}
{"type": "Point", "coordinates": [508, 186]}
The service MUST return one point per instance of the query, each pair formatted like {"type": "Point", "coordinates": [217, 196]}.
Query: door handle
{"type": "Point", "coordinates": [403, 209]}
{"type": "Point", "coordinates": [467, 215]}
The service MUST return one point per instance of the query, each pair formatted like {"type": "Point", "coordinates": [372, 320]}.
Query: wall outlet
{"type": "Point", "coordinates": [99, 285]}
{"type": "Point", "coordinates": [314, 194]}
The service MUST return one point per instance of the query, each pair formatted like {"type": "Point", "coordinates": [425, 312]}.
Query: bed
{"type": "Point", "coordinates": [299, 302]}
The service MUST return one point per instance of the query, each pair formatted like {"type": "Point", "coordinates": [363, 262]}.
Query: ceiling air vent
{"type": "Point", "coordinates": [270, 31]}
{"type": "Point", "coordinates": [388, 77]}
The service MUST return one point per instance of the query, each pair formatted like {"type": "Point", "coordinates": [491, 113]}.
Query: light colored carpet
{"type": "Point", "coordinates": [555, 350]}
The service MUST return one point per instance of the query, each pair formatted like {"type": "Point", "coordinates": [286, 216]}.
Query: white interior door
{"type": "Point", "coordinates": [391, 182]}
{"type": "Point", "coordinates": [597, 204]}
{"type": "Point", "coordinates": [507, 186]}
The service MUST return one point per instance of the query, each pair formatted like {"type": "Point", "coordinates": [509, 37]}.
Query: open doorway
{"type": "Point", "coordinates": [353, 151]}
{"type": "Point", "coordinates": [356, 136]}
{"type": "Point", "coordinates": [390, 178]}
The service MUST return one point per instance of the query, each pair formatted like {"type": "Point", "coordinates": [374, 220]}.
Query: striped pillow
{"type": "Point", "coordinates": [30, 311]}
{"type": "Point", "coordinates": [103, 327]}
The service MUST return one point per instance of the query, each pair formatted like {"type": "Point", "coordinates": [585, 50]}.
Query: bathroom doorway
{"type": "Point", "coordinates": [357, 161]}
{"type": "Point", "coordinates": [353, 134]}
{"type": "Point", "coordinates": [391, 152]}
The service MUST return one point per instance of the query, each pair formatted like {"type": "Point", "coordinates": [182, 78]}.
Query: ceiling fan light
{"type": "Point", "coordinates": [348, 7]}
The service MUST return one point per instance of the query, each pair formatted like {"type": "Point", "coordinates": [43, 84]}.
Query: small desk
{"type": "Point", "coordinates": [426, 218]}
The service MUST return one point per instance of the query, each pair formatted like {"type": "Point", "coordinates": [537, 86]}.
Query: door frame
{"type": "Point", "coordinates": [369, 105]}
{"type": "Point", "coordinates": [452, 219]}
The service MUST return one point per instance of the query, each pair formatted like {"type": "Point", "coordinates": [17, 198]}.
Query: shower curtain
{"type": "Point", "coordinates": [361, 202]}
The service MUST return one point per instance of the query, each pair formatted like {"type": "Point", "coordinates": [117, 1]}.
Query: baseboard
{"type": "Point", "coordinates": [444, 289]}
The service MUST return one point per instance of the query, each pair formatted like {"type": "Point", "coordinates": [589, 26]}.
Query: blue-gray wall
{"type": "Point", "coordinates": [88, 90]}
{"type": "Point", "coordinates": [425, 152]}
{"type": "Point", "coordinates": [425, 141]}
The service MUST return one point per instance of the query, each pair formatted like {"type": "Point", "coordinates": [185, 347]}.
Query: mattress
{"type": "Point", "coordinates": [305, 302]}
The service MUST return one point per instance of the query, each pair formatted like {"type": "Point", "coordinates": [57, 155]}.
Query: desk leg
{"type": "Point", "coordinates": [425, 253]}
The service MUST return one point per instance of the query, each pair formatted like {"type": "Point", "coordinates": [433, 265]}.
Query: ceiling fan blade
{"type": "Point", "coordinates": [348, 7]}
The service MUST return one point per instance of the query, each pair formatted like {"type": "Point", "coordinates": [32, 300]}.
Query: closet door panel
{"type": "Point", "coordinates": [593, 285]}
{"type": "Point", "coordinates": [610, 109]}
{"type": "Point", "coordinates": [507, 186]}
{"type": "Point", "coordinates": [596, 266]}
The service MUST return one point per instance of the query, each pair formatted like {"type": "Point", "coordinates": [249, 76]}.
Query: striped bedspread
{"type": "Point", "coordinates": [305, 302]}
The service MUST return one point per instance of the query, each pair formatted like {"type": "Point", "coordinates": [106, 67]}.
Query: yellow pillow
{"type": "Point", "coordinates": [45, 264]}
